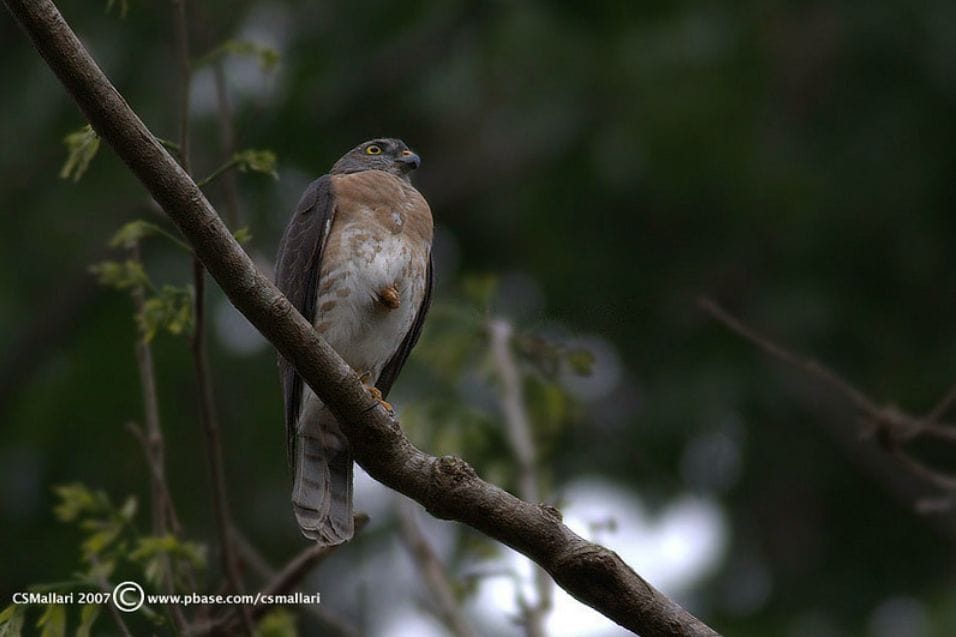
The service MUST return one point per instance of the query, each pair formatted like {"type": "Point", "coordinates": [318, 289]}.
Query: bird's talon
{"type": "Point", "coordinates": [376, 393]}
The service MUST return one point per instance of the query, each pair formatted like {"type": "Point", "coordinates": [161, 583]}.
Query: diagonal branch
{"type": "Point", "coordinates": [287, 579]}
{"type": "Point", "coordinates": [433, 571]}
{"type": "Point", "coordinates": [332, 623]}
{"type": "Point", "coordinates": [521, 441]}
{"type": "Point", "coordinates": [447, 487]}
{"type": "Point", "coordinates": [893, 427]}
{"type": "Point", "coordinates": [898, 425]}
{"type": "Point", "coordinates": [808, 365]}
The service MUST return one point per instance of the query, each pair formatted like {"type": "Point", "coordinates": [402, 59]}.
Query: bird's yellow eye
{"type": "Point", "coordinates": [373, 150]}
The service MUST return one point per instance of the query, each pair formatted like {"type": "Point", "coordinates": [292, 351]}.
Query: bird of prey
{"type": "Point", "coordinates": [355, 260]}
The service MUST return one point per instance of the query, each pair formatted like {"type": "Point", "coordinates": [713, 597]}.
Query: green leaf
{"type": "Point", "coordinates": [170, 310]}
{"type": "Point", "coordinates": [121, 275]}
{"type": "Point", "coordinates": [133, 233]}
{"type": "Point", "coordinates": [259, 161]}
{"type": "Point", "coordinates": [128, 511]}
{"type": "Point", "coordinates": [277, 623]}
{"type": "Point", "coordinates": [7, 613]}
{"type": "Point", "coordinates": [153, 551]}
{"type": "Point", "coordinates": [11, 620]}
{"type": "Point", "coordinates": [53, 621]}
{"type": "Point", "coordinates": [172, 546]}
{"type": "Point", "coordinates": [105, 533]}
{"type": "Point", "coordinates": [267, 56]}
{"type": "Point", "coordinates": [88, 615]}
{"type": "Point", "coordinates": [81, 146]}
{"type": "Point", "coordinates": [243, 235]}
{"type": "Point", "coordinates": [77, 499]}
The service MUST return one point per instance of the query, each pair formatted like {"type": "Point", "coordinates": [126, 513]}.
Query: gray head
{"type": "Point", "coordinates": [389, 155]}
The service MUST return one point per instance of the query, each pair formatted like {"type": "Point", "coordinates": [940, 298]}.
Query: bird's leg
{"type": "Point", "coordinates": [375, 392]}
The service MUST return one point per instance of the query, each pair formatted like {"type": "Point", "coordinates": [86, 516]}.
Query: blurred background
{"type": "Point", "coordinates": [593, 169]}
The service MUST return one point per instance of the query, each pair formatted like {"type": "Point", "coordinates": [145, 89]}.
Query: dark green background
{"type": "Point", "coordinates": [794, 160]}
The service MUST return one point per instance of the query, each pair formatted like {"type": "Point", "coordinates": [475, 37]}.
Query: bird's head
{"type": "Point", "coordinates": [389, 155]}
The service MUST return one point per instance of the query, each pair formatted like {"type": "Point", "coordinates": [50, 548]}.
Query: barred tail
{"type": "Point", "coordinates": [322, 487]}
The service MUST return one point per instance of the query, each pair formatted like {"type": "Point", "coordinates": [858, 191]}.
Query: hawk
{"type": "Point", "coordinates": [355, 260]}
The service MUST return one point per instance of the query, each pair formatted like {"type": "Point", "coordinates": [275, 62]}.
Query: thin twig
{"type": "Point", "coordinates": [210, 424]}
{"type": "Point", "coordinates": [894, 426]}
{"type": "Point", "coordinates": [227, 140]}
{"type": "Point", "coordinates": [521, 440]}
{"type": "Point", "coordinates": [251, 556]}
{"type": "Point", "coordinates": [106, 588]}
{"type": "Point", "coordinates": [432, 570]}
{"type": "Point", "coordinates": [809, 365]}
{"type": "Point", "coordinates": [161, 501]}
{"type": "Point", "coordinates": [287, 578]}
{"type": "Point", "coordinates": [917, 468]}
{"type": "Point", "coordinates": [181, 29]}
{"type": "Point", "coordinates": [227, 132]}
{"type": "Point", "coordinates": [232, 163]}
{"type": "Point", "coordinates": [941, 407]}
{"type": "Point", "coordinates": [156, 476]}
{"type": "Point", "coordinates": [153, 435]}
{"type": "Point", "coordinates": [207, 410]}
{"type": "Point", "coordinates": [335, 625]}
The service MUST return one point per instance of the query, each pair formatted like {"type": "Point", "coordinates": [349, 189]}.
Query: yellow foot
{"type": "Point", "coordinates": [377, 394]}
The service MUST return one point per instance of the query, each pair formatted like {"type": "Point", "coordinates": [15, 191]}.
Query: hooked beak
{"type": "Point", "coordinates": [409, 161]}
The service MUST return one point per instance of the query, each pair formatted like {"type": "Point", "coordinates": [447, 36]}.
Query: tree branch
{"type": "Point", "coordinates": [432, 570]}
{"type": "Point", "coordinates": [335, 625]}
{"type": "Point", "coordinates": [210, 425]}
{"type": "Point", "coordinates": [447, 487]}
{"type": "Point", "coordinates": [521, 440]}
{"type": "Point", "coordinates": [287, 579]}
{"type": "Point", "coordinates": [207, 403]}
{"type": "Point", "coordinates": [892, 427]}
{"type": "Point", "coordinates": [163, 509]}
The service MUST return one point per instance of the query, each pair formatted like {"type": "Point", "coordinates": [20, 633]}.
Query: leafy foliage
{"type": "Point", "coordinates": [259, 161]}
{"type": "Point", "coordinates": [153, 552]}
{"type": "Point", "coordinates": [82, 146]}
{"type": "Point", "coordinates": [11, 620]}
{"type": "Point", "coordinates": [88, 616]}
{"type": "Point", "coordinates": [243, 235]}
{"type": "Point", "coordinates": [53, 621]}
{"type": "Point", "coordinates": [109, 544]}
{"type": "Point", "coordinates": [166, 309]}
{"type": "Point", "coordinates": [170, 310]}
{"type": "Point", "coordinates": [277, 623]}
{"type": "Point", "coordinates": [133, 233]}
{"type": "Point", "coordinates": [121, 275]}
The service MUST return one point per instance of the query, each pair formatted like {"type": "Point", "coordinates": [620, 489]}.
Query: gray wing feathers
{"type": "Point", "coordinates": [298, 264]}
{"type": "Point", "coordinates": [318, 451]}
